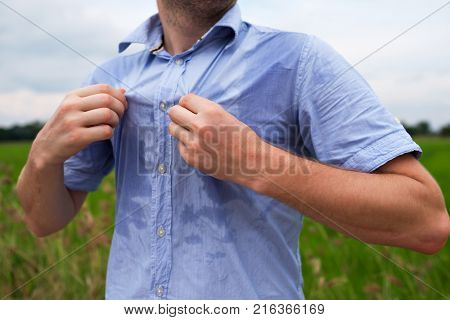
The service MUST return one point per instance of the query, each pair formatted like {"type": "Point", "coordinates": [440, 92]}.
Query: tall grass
{"type": "Point", "coordinates": [334, 266]}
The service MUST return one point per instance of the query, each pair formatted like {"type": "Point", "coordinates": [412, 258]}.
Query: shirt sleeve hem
{"type": "Point", "coordinates": [382, 151]}
{"type": "Point", "coordinates": [75, 180]}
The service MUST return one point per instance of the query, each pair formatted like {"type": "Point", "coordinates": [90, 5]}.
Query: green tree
{"type": "Point", "coordinates": [20, 132]}
{"type": "Point", "coordinates": [423, 128]}
{"type": "Point", "coordinates": [445, 131]}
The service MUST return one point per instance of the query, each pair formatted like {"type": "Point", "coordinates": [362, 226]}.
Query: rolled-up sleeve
{"type": "Point", "coordinates": [341, 120]}
{"type": "Point", "coordinates": [85, 170]}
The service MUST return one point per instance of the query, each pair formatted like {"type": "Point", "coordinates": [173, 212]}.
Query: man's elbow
{"type": "Point", "coordinates": [36, 229]}
{"type": "Point", "coordinates": [436, 233]}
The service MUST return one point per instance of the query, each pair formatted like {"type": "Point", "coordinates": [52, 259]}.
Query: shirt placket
{"type": "Point", "coordinates": [163, 204]}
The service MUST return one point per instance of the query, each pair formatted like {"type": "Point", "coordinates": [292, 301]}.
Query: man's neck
{"type": "Point", "coordinates": [182, 31]}
{"type": "Point", "coordinates": [179, 35]}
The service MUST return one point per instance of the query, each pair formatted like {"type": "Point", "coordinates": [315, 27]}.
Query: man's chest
{"type": "Point", "coordinates": [260, 96]}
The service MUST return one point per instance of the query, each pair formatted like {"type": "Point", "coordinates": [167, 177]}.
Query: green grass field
{"type": "Point", "coordinates": [334, 266]}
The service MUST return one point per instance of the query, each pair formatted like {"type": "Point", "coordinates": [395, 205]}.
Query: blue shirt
{"type": "Point", "coordinates": [181, 234]}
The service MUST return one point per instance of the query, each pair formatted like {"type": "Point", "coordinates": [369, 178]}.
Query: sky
{"type": "Point", "coordinates": [411, 75]}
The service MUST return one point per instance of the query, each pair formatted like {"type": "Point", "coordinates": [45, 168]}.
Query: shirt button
{"type": "Point", "coordinates": [163, 106]}
{"type": "Point", "coordinates": [159, 291]}
{"type": "Point", "coordinates": [161, 231]}
{"type": "Point", "coordinates": [179, 62]}
{"type": "Point", "coordinates": [162, 168]}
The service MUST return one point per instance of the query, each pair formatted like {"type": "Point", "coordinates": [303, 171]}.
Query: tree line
{"type": "Point", "coordinates": [20, 132]}
{"type": "Point", "coordinates": [29, 131]}
{"type": "Point", "coordinates": [423, 128]}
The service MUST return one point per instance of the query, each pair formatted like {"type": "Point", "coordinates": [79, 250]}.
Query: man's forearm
{"type": "Point", "coordinates": [383, 208]}
{"type": "Point", "coordinates": [47, 202]}
{"type": "Point", "coordinates": [401, 205]}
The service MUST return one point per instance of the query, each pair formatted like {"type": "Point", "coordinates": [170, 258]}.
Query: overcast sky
{"type": "Point", "coordinates": [411, 75]}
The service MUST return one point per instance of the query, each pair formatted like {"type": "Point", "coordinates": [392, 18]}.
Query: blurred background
{"type": "Point", "coordinates": [411, 75]}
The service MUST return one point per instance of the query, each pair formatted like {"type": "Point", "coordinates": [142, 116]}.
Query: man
{"type": "Point", "coordinates": [211, 186]}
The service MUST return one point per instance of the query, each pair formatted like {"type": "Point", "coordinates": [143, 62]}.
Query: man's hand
{"type": "Point", "coordinates": [85, 115]}
{"type": "Point", "coordinates": [399, 205]}
{"type": "Point", "coordinates": [214, 141]}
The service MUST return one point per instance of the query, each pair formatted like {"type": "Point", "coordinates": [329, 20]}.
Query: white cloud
{"type": "Point", "coordinates": [412, 100]}
{"type": "Point", "coordinates": [33, 60]}
{"type": "Point", "coordinates": [23, 105]}
{"type": "Point", "coordinates": [410, 75]}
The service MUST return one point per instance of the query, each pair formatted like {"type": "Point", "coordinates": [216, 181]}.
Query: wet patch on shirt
{"type": "Point", "coordinates": [212, 256]}
{"type": "Point", "coordinates": [193, 239]}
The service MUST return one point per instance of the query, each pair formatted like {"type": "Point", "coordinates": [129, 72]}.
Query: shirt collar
{"type": "Point", "coordinates": [150, 31]}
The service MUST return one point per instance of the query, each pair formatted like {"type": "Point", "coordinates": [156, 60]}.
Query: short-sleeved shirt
{"type": "Point", "coordinates": [181, 234]}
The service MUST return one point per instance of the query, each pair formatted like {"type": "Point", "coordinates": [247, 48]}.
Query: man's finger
{"type": "Point", "coordinates": [119, 94]}
{"type": "Point", "coordinates": [181, 134]}
{"type": "Point", "coordinates": [97, 133]}
{"type": "Point", "coordinates": [195, 103]}
{"type": "Point", "coordinates": [100, 116]}
{"type": "Point", "coordinates": [103, 100]}
{"type": "Point", "coordinates": [181, 116]}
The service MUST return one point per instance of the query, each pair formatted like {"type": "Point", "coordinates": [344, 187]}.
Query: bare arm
{"type": "Point", "coordinates": [399, 205]}
{"type": "Point", "coordinates": [86, 115]}
{"type": "Point", "coordinates": [48, 204]}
